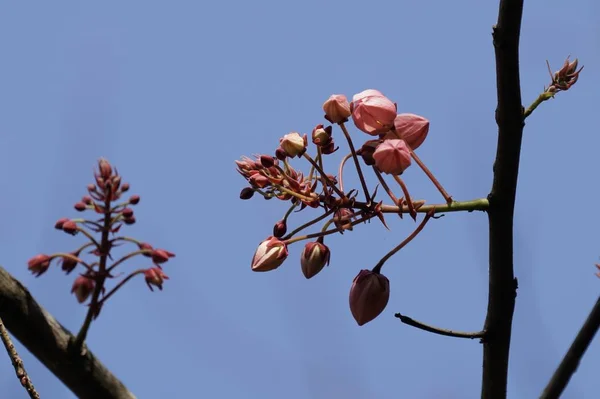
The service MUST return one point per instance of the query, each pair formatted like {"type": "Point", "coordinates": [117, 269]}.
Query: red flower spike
{"type": "Point", "coordinates": [155, 276]}
{"type": "Point", "coordinates": [39, 264]}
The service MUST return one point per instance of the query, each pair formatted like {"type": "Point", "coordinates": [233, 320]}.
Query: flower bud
{"type": "Point", "coordinates": [341, 219]}
{"type": "Point", "coordinates": [155, 276]}
{"type": "Point", "coordinates": [82, 288]}
{"type": "Point", "coordinates": [392, 157]}
{"type": "Point", "coordinates": [80, 206]}
{"type": "Point", "coordinates": [280, 229]}
{"type": "Point", "coordinates": [314, 257]}
{"type": "Point", "coordinates": [280, 154]}
{"type": "Point", "coordinates": [145, 246]}
{"type": "Point", "coordinates": [124, 187]}
{"type": "Point", "coordinates": [372, 112]}
{"type": "Point", "coordinates": [411, 128]}
{"type": "Point", "coordinates": [337, 109]}
{"type": "Point", "coordinates": [60, 222]}
{"type": "Point", "coordinates": [129, 221]}
{"type": "Point", "coordinates": [86, 200]}
{"type": "Point", "coordinates": [68, 263]}
{"type": "Point", "coordinates": [246, 193]}
{"type": "Point", "coordinates": [104, 168]}
{"type": "Point", "coordinates": [70, 227]}
{"type": "Point", "coordinates": [267, 161]}
{"type": "Point", "coordinates": [259, 181]}
{"type": "Point", "coordinates": [269, 255]}
{"type": "Point", "coordinates": [367, 150]}
{"type": "Point", "coordinates": [38, 264]}
{"type": "Point", "coordinates": [369, 296]}
{"type": "Point", "coordinates": [127, 212]}
{"type": "Point", "coordinates": [161, 255]}
{"type": "Point", "coordinates": [134, 199]}
{"type": "Point", "coordinates": [321, 136]}
{"type": "Point", "coordinates": [293, 144]}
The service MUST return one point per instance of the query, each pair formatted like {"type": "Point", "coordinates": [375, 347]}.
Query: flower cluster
{"type": "Point", "coordinates": [389, 150]}
{"type": "Point", "coordinates": [102, 200]}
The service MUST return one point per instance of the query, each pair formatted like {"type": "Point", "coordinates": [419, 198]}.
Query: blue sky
{"type": "Point", "coordinates": [173, 92]}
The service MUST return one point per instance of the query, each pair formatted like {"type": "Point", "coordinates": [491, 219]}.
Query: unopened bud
{"type": "Point", "coordinates": [314, 257]}
{"type": "Point", "coordinates": [280, 228]}
{"type": "Point", "coordinates": [369, 296]}
{"type": "Point", "coordinates": [134, 199]}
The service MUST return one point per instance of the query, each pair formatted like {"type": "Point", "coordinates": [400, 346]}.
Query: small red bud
{"type": "Point", "coordinates": [280, 154]}
{"type": "Point", "coordinates": [145, 246]}
{"type": "Point", "coordinates": [104, 168]}
{"type": "Point", "coordinates": [134, 199]}
{"type": "Point", "coordinates": [247, 193]}
{"type": "Point", "coordinates": [280, 229]}
{"type": "Point", "coordinates": [70, 227]}
{"type": "Point", "coordinates": [39, 264]}
{"type": "Point", "coordinates": [124, 187]}
{"type": "Point", "coordinates": [60, 222]}
{"type": "Point", "coordinates": [267, 161]}
{"type": "Point", "coordinates": [155, 276]}
{"type": "Point", "coordinates": [129, 221]}
{"type": "Point", "coordinates": [82, 288]}
{"type": "Point", "coordinates": [86, 200]}
{"type": "Point", "coordinates": [161, 255]}
{"type": "Point", "coordinates": [68, 263]}
{"type": "Point", "coordinates": [80, 207]}
{"type": "Point", "coordinates": [127, 213]}
{"type": "Point", "coordinates": [91, 187]}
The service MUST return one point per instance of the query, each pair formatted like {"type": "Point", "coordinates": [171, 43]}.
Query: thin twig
{"type": "Point", "coordinates": [356, 162]}
{"type": "Point", "coordinates": [440, 331]}
{"type": "Point", "coordinates": [17, 363]}
{"type": "Point", "coordinates": [570, 362]}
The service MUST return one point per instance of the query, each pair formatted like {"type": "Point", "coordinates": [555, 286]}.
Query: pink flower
{"type": "Point", "coordinates": [369, 296]}
{"type": "Point", "coordinates": [372, 112]}
{"type": "Point", "coordinates": [269, 255]}
{"type": "Point", "coordinates": [39, 264]}
{"type": "Point", "coordinates": [337, 109]}
{"type": "Point", "coordinates": [155, 276]}
{"type": "Point", "coordinates": [392, 157]}
{"type": "Point", "coordinates": [314, 257]}
{"type": "Point", "coordinates": [82, 288]}
{"type": "Point", "coordinates": [293, 144]}
{"type": "Point", "coordinates": [412, 128]}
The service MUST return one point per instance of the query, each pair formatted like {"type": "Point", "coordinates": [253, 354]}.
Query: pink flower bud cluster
{"type": "Point", "coordinates": [390, 150]}
{"type": "Point", "coordinates": [565, 77]}
{"type": "Point", "coordinates": [102, 200]}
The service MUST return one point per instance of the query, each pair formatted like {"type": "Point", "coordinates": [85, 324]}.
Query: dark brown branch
{"type": "Point", "coordinates": [440, 331]}
{"type": "Point", "coordinates": [17, 363]}
{"type": "Point", "coordinates": [502, 283]}
{"type": "Point", "coordinates": [49, 341]}
{"type": "Point", "coordinates": [570, 362]}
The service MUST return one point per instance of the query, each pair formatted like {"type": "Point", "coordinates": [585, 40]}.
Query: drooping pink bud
{"type": "Point", "coordinates": [38, 264]}
{"type": "Point", "coordinates": [412, 128]}
{"type": "Point", "coordinates": [82, 288]}
{"type": "Point", "coordinates": [269, 255]}
{"type": "Point", "coordinates": [369, 296]}
{"type": "Point", "coordinates": [68, 263]}
{"type": "Point", "coordinates": [60, 222]}
{"type": "Point", "coordinates": [293, 144]}
{"type": "Point", "coordinates": [124, 187]}
{"type": "Point", "coordinates": [161, 255]}
{"type": "Point", "coordinates": [372, 112]}
{"type": "Point", "coordinates": [70, 227]}
{"type": "Point", "coordinates": [127, 212]}
{"type": "Point", "coordinates": [155, 276]}
{"type": "Point", "coordinates": [314, 257]}
{"type": "Point", "coordinates": [280, 228]}
{"type": "Point", "coordinates": [392, 157]}
{"type": "Point", "coordinates": [134, 199]}
{"type": "Point", "coordinates": [145, 246]}
{"type": "Point", "coordinates": [337, 108]}
{"type": "Point", "coordinates": [129, 221]}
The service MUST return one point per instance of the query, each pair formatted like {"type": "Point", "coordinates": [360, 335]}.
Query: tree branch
{"type": "Point", "coordinates": [49, 341]}
{"type": "Point", "coordinates": [440, 331]}
{"type": "Point", "coordinates": [570, 362]}
{"type": "Point", "coordinates": [502, 284]}
{"type": "Point", "coordinates": [17, 363]}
